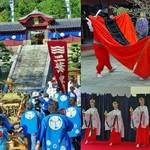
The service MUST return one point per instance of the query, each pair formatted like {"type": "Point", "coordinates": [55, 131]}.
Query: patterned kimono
{"type": "Point", "coordinates": [142, 27]}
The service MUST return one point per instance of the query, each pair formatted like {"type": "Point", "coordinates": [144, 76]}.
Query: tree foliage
{"type": "Point", "coordinates": [74, 56]}
{"type": "Point", "coordinates": [141, 6]}
{"type": "Point", "coordinates": [5, 58]}
{"type": "Point", "coordinates": [54, 8]}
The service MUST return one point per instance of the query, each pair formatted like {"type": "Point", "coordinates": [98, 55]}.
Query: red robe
{"type": "Point", "coordinates": [90, 135]}
{"type": "Point", "coordinates": [115, 136]}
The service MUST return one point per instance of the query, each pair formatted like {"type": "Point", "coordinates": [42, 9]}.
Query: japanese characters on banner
{"type": "Point", "coordinates": [59, 61]}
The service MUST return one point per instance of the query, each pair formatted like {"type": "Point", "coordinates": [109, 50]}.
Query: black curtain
{"type": "Point", "coordinates": [104, 102]}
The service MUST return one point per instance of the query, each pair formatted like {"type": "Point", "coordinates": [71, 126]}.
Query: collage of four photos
{"type": "Point", "coordinates": [74, 74]}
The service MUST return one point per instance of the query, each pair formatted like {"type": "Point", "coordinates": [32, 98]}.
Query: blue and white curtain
{"type": "Point", "coordinates": [59, 35]}
{"type": "Point", "coordinates": [17, 37]}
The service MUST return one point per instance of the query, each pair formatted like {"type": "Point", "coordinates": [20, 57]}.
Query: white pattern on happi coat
{"type": "Point", "coordinates": [96, 123]}
{"type": "Point", "coordinates": [135, 117]}
{"type": "Point", "coordinates": [109, 120]}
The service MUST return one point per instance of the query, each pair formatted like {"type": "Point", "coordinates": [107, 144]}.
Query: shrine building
{"type": "Point", "coordinates": [37, 27]}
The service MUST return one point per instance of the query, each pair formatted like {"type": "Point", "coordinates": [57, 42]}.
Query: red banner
{"type": "Point", "coordinates": [59, 61]}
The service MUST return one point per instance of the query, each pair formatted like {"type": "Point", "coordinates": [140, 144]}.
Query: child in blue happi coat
{"type": "Point", "coordinates": [44, 101]}
{"type": "Point", "coordinates": [63, 101]}
{"type": "Point", "coordinates": [29, 124]}
{"type": "Point", "coordinates": [74, 115]}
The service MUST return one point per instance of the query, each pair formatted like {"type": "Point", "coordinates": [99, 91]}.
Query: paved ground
{"type": "Point", "coordinates": [119, 81]}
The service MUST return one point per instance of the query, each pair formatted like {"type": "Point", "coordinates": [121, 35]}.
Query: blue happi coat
{"type": "Point", "coordinates": [29, 122]}
{"type": "Point", "coordinates": [63, 101]}
{"type": "Point", "coordinates": [53, 132]}
{"type": "Point", "coordinates": [74, 115]}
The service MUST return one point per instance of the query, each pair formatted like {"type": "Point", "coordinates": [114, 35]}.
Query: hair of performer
{"type": "Point", "coordinates": [141, 101]}
{"type": "Point", "coordinates": [115, 104]}
{"type": "Point", "coordinates": [92, 103]}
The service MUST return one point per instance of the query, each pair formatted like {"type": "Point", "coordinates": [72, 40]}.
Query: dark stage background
{"type": "Point", "coordinates": [104, 102]}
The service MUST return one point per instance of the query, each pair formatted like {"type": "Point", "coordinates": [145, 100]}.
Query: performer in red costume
{"type": "Point", "coordinates": [134, 55]}
{"type": "Point", "coordinates": [101, 53]}
{"type": "Point", "coordinates": [140, 121]}
{"type": "Point", "coordinates": [102, 58]}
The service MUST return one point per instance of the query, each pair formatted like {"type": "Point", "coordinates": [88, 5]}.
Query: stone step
{"type": "Point", "coordinates": [32, 62]}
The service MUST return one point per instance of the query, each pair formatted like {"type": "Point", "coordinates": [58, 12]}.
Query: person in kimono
{"type": "Point", "coordinates": [114, 123]}
{"type": "Point", "coordinates": [54, 130]}
{"type": "Point", "coordinates": [142, 25]}
{"type": "Point", "coordinates": [29, 124]}
{"type": "Point", "coordinates": [101, 53]}
{"type": "Point", "coordinates": [91, 123]}
{"type": "Point", "coordinates": [140, 121]}
{"type": "Point", "coordinates": [4, 137]}
{"type": "Point", "coordinates": [74, 115]}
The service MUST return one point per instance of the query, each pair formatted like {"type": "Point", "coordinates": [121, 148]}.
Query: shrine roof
{"type": "Point", "coordinates": [66, 23]}
{"type": "Point", "coordinates": [11, 26]}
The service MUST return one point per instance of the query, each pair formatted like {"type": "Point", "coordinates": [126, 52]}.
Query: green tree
{"type": "Point", "coordinates": [57, 9]}
{"type": "Point", "coordinates": [4, 11]}
{"type": "Point", "coordinates": [5, 61]}
{"type": "Point", "coordinates": [24, 7]}
{"type": "Point", "coordinates": [54, 8]}
{"type": "Point", "coordinates": [74, 55]}
{"type": "Point", "coordinates": [75, 8]}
